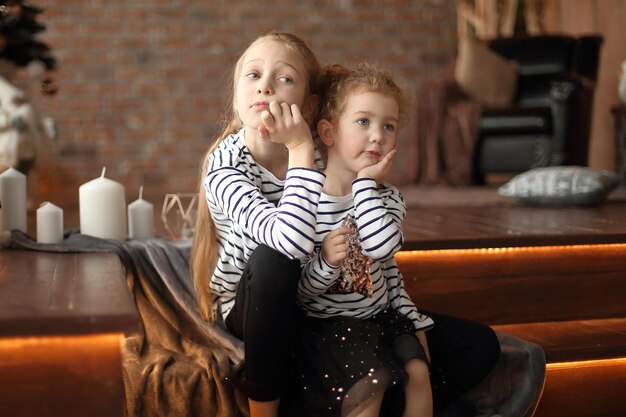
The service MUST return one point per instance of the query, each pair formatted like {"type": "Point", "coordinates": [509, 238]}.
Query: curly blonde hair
{"type": "Point", "coordinates": [339, 82]}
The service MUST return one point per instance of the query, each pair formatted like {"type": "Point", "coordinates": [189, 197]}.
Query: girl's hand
{"type": "Point", "coordinates": [335, 246]}
{"type": "Point", "coordinates": [380, 171]}
{"type": "Point", "coordinates": [283, 123]}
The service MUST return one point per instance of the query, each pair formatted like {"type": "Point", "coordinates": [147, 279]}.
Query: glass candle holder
{"type": "Point", "coordinates": [178, 214]}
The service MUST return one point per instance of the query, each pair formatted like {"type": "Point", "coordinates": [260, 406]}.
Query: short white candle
{"type": "Point", "coordinates": [49, 223]}
{"type": "Point", "coordinates": [102, 207]}
{"type": "Point", "coordinates": [12, 200]}
{"type": "Point", "coordinates": [140, 218]}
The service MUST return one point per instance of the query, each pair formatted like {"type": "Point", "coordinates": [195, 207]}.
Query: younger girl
{"type": "Point", "coordinates": [258, 215]}
{"type": "Point", "coordinates": [362, 336]}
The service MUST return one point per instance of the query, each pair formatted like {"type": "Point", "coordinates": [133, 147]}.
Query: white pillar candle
{"type": "Point", "coordinates": [102, 208]}
{"type": "Point", "coordinates": [140, 218]}
{"type": "Point", "coordinates": [49, 223]}
{"type": "Point", "coordinates": [12, 200]}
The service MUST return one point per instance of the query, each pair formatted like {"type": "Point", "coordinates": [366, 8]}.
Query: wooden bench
{"type": "Point", "coordinates": [551, 276]}
{"type": "Point", "coordinates": [567, 298]}
{"type": "Point", "coordinates": [63, 317]}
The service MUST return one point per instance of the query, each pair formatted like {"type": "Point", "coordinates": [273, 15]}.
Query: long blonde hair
{"type": "Point", "coordinates": [204, 254]}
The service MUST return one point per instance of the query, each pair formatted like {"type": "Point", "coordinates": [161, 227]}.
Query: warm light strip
{"type": "Point", "coordinates": [589, 363]}
{"type": "Point", "coordinates": [474, 251]}
{"type": "Point", "coordinates": [31, 341]}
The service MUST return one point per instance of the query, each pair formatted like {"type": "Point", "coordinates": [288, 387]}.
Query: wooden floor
{"type": "Point", "coordinates": [555, 277]}
{"type": "Point", "coordinates": [552, 276]}
{"type": "Point", "coordinates": [63, 317]}
{"type": "Point", "coordinates": [476, 217]}
{"type": "Point", "coordinates": [438, 222]}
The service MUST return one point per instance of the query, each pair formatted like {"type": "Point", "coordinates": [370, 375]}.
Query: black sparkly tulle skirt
{"type": "Point", "coordinates": [345, 363]}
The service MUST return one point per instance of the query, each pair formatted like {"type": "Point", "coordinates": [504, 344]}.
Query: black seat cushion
{"type": "Point", "coordinates": [534, 91]}
{"type": "Point", "coordinates": [518, 121]}
{"type": "Point", "coordinates": [514, 153]}
{"type": "Point", "coordinates": [537, 55]}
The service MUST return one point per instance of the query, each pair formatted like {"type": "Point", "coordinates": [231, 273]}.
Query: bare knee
{"type": "Point", "coordinates": [417, 370]}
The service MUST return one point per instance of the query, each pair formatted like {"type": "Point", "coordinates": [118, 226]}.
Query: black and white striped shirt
{"type": "Point", "coordinates": [379, 212]}
{"type": "Point", "coordinates": [250, 206]}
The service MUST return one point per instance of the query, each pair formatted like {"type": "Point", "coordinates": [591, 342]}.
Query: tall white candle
{"type": "Point", "coordinates": [12, 200]}
{"type": "Point", "coordinates": [140, 218]}
{"type": "Point", "coordinates": [49, 223]}
{"type": "Point", "coordinates": [102, 208]}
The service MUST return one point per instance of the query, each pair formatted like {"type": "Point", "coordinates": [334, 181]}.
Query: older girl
{"type": "Point", "coordinates": [257, 217]}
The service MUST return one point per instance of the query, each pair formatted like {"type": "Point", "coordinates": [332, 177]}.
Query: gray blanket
{"type": "Point", "coordinates": [178, 365]}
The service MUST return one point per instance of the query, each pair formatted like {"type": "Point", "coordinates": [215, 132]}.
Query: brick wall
{"type": "Point", "coordinates": [142, 82]}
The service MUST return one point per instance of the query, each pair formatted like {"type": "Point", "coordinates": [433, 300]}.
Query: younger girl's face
{"type": "Point", "coordinates": [365, 132]}
{"type": "Point", "coordinates": [270, 71]}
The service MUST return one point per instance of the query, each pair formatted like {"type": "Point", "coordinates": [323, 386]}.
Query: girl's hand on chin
{"type": "Point", "coordinates": [263, 132]}
{"type": "Point", "coordinates": [283, 123]}
{"type": "Point", "coordinates": [379, 171]}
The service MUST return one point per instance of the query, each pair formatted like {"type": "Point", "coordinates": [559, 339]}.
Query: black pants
{"type": "Point", "coordinates": [462, 353]}
{"type": "Point", "coordinates": [265, 317]}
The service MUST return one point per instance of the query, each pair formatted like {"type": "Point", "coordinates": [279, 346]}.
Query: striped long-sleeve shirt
{"type": "Point", "coordinates": [379, 212]}
{"type": "Point", "coordinates": [250, 206]}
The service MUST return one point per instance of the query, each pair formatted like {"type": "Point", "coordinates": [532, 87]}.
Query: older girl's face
{"type": "Point", "coordinates": [270, 71]}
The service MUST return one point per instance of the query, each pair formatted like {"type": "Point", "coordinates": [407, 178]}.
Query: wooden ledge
{"type": "Point", "coordinates": [62, 322]}
{"type": "Point", "coordinates": [46, 293]}
{"type": "Point", "coordinates": [575, 340]}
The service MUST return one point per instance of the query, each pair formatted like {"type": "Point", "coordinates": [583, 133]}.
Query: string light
{"type": "Point", "coordinates": [509, 250]}
{"type": "Point", "coordinates": [611, 362]}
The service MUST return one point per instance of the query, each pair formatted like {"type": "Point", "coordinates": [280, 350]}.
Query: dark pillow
{"type": "Point", "coordinates": [561, 186]}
